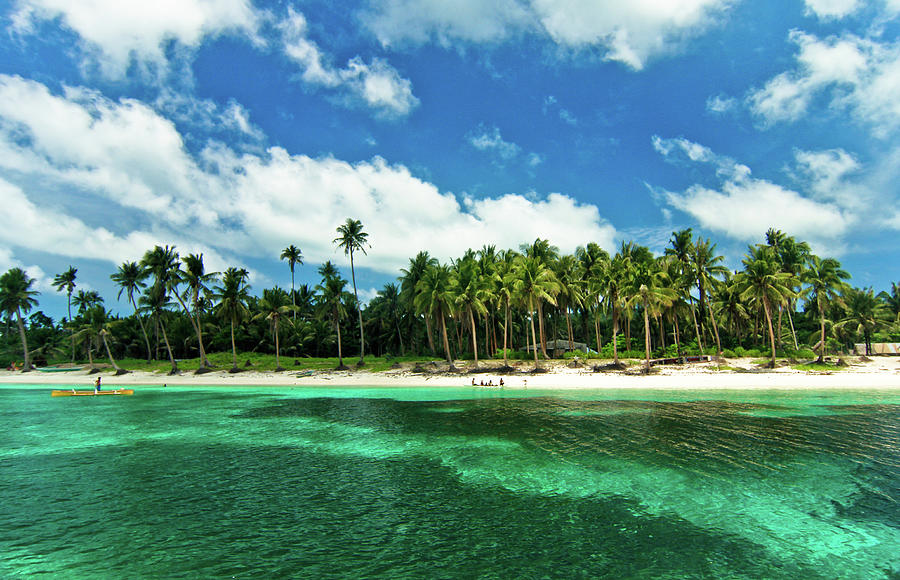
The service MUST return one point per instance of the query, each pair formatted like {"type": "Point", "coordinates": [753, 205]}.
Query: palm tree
{"type": "Point", "coordinates": [505, 291]}
{"type": "Point", "coordinates": [534, 283]}
{"type": "Point", "coordinates": [196, 278]}
{"type": "Point", "coordinates": [232, 306]}
{"type": "Point", "coordinates": [708, 269]}
{"type": "Point", "coordinates": [865, 314]}
{"type": "Point", "coordinates": [293, 255]}
{"type": "Point", "coordinates": [17, 297]}
{"type": "Point", "coordinates": [98, 325]}
{"type": "Point", "coordinates": [544, 253]}
{"type": "Point", "coordinates": [408, 282]}
{"type": "Point", "coordinates": [892, 300]}
{"type": "Point", "coordinates": [66, 281]}
{"type": "Point", "coordinates": [682, 248]}
{"type": "Point", "coordinates": [469, 295]}
{"type": "Point", "coordinates": [332, 289]}
{"type": "Point", "coordinates": [763, 282]}
{"type": "Point", "coordinates": [273, 305]}
{"type": "Point", "coordinates": [592, 263]}
{"type": "Point", "coordinates": [571, 292]}
{"type": "Point", "coordinates": [612, 285]}
{"type": "Point", "coordinates": [352, 237]}
{"type": "Point", "coordinates": [130, 279]}
{"type": "Point", "coordinates": [87, 299]}
{"type": "Point", "coordinates": [156, 300]}
{"type": "Point", "coordinates": [434, 297]}
{"type": "Point", "coordinates": [646, 289]}
{"type": "Point", "coordinates": [824, 282]}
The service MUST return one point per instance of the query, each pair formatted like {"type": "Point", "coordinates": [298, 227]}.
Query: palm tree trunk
{"type": "Point", "coordinates": [71, 330]}
{"type": "Point", "coordinates": [675, 336]}
{"type": "Point", "coordinates": [540, 312]}
{"type": "Point", "coordinates": [169, 349]}
{"type": "Point", "coordinates": [793, 332]}
{"type": "Point", "coordinates": [771, 330]}
{"type": "Point", "coordinates": [569, 328]}
{"type": "Point", "coordinates": [362, 340]}
{"type": "Point", "coordinates": [821, 337]}
{"type": "Point", "coordinates": [26, 365]}
{"type": "Point", "coordinates": [615, 330]}
{"type": "Point", "coordinates": [597, 330]}
{"type": "Point", "coordinates": [505, 330]}
{"type": "Point", "coordinates": [337, 328]}
{"type": "Point", "coordinates": [293, 298]}
{"type": "Point", "coordinates": [647, 336]}
{"type": "Point", "coordinates": [196, 327]}
{"type": "Point", "coordinates": [233, 348]}
{"type": "Point", "coordinates": [143, 330]}
{"type": "Point", "coordinates": [108, 353]}
{"type": "Point", "coordinates": [428, 332]}
{"type": "Point", "coordinates": [533, 337]}
{"type": "Point", "coordinates": [712, 318]}
{"type": "Point", "coordinates": [446, 341]}
{"type": "Point", "coordinates": [474, 339]}
{"type": "Point", "coordinates": [696, 328]}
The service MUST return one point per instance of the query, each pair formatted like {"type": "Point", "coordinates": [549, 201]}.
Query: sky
{"type": "Point", "coordinates": [238, 127]}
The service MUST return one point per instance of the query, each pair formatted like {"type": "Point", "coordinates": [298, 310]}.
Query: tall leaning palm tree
{"type": "Point", "coordinates": [708, 269]}
{"type": "Point", "coordinates": [196, 278]}
{"type": "Point", "coordinates": [469, 296]}
{"type": "Point", "coordinates": [17, 297]}
{"type": "Point", "coordinates": [646, 289]}
{"type": "Point", "coordinates": [294, 256]}
{"type": "Point", "coordinates": [534, 283]}
{"type": "Point", "coordinates": [130, 279]}
{"type": "Point", "coordinates": [824, 280]}
{"type": "Point", "coordinates": [232, 304]}
{"type": "Point", "coordinates": [332, 289]}
{"type": "Point", "coordinates": [352, 238]}
{"type": "Point", "coordinates": [763, 282]}
{"type": "Point", "coordinates": [66, 281]}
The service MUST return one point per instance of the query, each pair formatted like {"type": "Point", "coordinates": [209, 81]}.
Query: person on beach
{"type": "Point", "coordinates": [97, 385]}
{"type": "Point", "coordinates": [501, 381]}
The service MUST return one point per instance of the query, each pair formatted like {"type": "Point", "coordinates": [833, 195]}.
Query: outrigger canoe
{"type": "Point", "coordinates": [91, 393]}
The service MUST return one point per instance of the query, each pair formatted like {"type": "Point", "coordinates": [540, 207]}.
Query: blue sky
{"type": "Point", "coordinates": [235, 128]}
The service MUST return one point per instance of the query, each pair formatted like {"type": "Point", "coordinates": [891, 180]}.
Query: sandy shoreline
{"type": "Point", "coordinates": [879, 373]}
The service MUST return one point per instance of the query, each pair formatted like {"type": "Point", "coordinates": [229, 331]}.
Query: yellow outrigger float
{"type": "Point", "coordinates": [91, 393]}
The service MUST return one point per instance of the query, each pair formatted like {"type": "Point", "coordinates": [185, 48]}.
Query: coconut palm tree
{"type": "Point", "coordinates": [196, 279]}
{"type": "Point", "coordinates": [534, 283]}
{"type": "Point", "coordinates": [273, 306]}
{"type": "Point", "coordinates": [232, 298]}
{"type": "Point", "coordinates": [571, 291]}
{"type": "Point", "coordinates": [708, 270]}
{"type": "Point", "coordinates": [682, 249]}
{"type": "Point", "coordinates": [293, 255]}
{"type": "Point", "coordinates": [544, 253]}
{"type": "Point", "coordinates": [87, 299]}
{"type": "Point", "coordinates": [592, 263]}
{"type": "Point", "coordinates": [865, 314]}
{"type": "Point", "coordinates": [824, 280]}
{"type": "Point", "coordinates": [130, 279]}
{"type": "Point", "coordinates": [435, 298]}
{"type": "Point", "coordinates": [17, 297]}
{"type": "Point", "coordinates": [892, 300]}
{"type": "Point", "coordinates": [352, 238]}
{"type": "Point", "coordinates": [332, 289]}
{"type": "Point", "coordinates": [763, 282]}
{"type": "Point", "coordinates": [469, 295]}
{"type": "Point", "coordinates": [408, 282]}
{"type": "Point", "coordinates": [156, 300]}
{"type": "Point", "coordinates": [66, 281]}
{"type": "Point", "coordinates": [646, 289]}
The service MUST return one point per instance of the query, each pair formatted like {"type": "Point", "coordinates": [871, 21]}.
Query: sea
{"type": "Point", "coordinates": [278, 482]}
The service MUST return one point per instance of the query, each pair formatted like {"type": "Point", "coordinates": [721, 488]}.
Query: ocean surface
{"type": "Point", "coordinates": [231, 482]}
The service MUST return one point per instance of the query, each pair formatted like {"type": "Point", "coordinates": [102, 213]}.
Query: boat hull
{"type": "Point", "coordinates": [74, 393]}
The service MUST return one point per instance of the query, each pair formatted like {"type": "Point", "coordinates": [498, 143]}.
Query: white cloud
{"type": "Point", "coordinates": [61, 153]}
{"type": "Point", "coordinates": [115, 33]}
{"type": "Point", "coordinates": [377, 84]}
{"type": "Point", "coordinates": [853, 73]}
{"type": "Point", "coordinates": [828, 172]}
{"type": "Point", "coordinates": [627, 32]}
{"type": "Point", "coordinates": [720, 104]}
{"type": "Point", "coordinates": [743, 207]}
{"type": "Point", "coordinates": [831, 9]}
{"type": "Point", "coordinates": [491, 140]}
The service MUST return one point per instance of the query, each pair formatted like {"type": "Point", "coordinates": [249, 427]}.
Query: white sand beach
{"type": "Point", "coordinates": [877, 373]}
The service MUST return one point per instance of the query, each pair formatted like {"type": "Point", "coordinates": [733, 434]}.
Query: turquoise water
{"type": "Point", "coordinates": [451, 483]}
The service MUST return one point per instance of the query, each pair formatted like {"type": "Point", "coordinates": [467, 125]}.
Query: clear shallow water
{"type": "Point", "coordinates": [395, 483]}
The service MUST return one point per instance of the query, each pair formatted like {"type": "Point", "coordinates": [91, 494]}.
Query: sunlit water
{"type": "Point", "coordinates": [458, 483]}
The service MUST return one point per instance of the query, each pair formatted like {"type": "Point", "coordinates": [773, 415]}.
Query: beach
{"type": "Point", "coordinates": [740, 374]}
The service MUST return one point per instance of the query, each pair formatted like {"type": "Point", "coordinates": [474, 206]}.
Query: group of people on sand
{"type": "Point", "coordinates": [14, 366]}
{"type": "Point", "coordinates": [490, 383]}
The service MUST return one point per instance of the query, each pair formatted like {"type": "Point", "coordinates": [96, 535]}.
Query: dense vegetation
{"type": "Point", "coordinates": [487, 303]}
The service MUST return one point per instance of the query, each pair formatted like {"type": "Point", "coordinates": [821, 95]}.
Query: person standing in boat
{"type": "Point", "coordinates": [97, 384]}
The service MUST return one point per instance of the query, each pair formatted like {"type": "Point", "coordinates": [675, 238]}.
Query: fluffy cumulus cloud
{"type": "Point", "coordinates": [115, 34]}
{"type": "Point", "coordinates": [852, 73]}
{"type": "Point", "coordinates": [742, 207]}
{"type": "Point", "coordinates": [62, 152]}
{"type": "Point", "coordinates": [376, 84]}
{"type": "Point", "coordinates": [628, 32]}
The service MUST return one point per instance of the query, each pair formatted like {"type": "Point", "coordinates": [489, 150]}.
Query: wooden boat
{"type": "Point", "coordinates": [91, 393]}
{"type": "Point", "coordinates": [58, 369]}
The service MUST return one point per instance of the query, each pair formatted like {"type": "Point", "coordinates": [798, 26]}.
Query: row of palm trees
{"type": "Point", "coordinates": [685, 297]}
